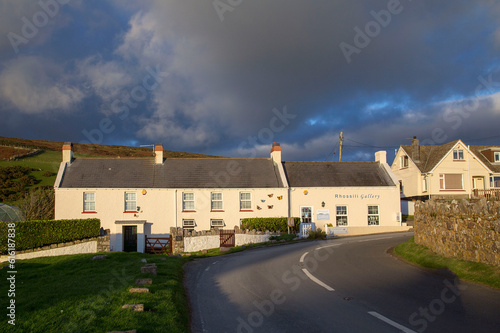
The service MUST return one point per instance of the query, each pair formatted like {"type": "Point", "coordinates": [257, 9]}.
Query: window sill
{"type": "Point", "coordinates": [189, 211]}
{"type": "Point", "coordinates": [216, 211]}
{"type": "Point", "coordinates": [89, 212]}
{"type": "Point", "coordinates": [130, 212]}
{"type": "Point", "coordinates": [401, 168]}
{"type": "Point", "coordinates": [245, 210]}
{"type": "Point", "coordinates": [445, 190]}
{"type": "Point", "coordinates": [458, 160]}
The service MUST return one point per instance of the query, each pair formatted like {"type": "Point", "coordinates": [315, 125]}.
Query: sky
{"type": "Point", "coordinates": [229, 77]}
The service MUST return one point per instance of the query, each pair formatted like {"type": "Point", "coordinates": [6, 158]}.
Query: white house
{"type": "Point", "coordinates": [453, 170]}
{"type": "Point", "coordinates": [134, 197]}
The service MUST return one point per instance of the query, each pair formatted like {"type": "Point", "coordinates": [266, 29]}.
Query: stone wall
{"type": "Point", "coordinates": [468, 230]}
{"type": "Point", "coordinates": [193, 241]}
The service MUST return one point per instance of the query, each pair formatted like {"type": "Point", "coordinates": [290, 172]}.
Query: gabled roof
{"type": "Point", "coordinates": [173, 173]}
{"type": "Point", "coordinates": [336, 174]}
{"type": "Point", "coordinates": [430, 155]}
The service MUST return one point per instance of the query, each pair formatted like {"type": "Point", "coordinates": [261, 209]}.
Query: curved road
{"type": "Point", "coordinates": [339, 285]}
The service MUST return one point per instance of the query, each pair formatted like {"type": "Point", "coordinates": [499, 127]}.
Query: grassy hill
{"type": "Point", "coordinates": [41, 168]}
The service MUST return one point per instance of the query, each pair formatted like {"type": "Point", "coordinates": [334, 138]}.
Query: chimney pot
{"type": "Point", "coordinates": [276, 153]}
{"type": "Point", "coordinates": [158, 153]}
{"type": "Point", "coordinates": [67, 152]}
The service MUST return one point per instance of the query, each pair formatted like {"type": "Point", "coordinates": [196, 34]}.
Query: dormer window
{"type": "Point", "coordinates": [497, 156]}
{"type": "Point", "coordinates": [458, 155]}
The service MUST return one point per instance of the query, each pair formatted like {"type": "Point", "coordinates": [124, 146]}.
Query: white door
{"type": "Point", "coordinates": [306, 214]}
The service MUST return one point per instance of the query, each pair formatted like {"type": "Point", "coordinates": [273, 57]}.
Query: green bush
{"type": "Point", "coordinates": [32, 234]}
{"type": "Point", "coordinates": [318, 234]}
{"type": "Point", "coordinates": [269, 223]}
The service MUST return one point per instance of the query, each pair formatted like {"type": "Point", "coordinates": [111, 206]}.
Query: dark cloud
{"type": "Point", "coordinates": [221, 82]}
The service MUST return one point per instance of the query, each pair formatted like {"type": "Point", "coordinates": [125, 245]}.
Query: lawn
{"type": "Point", "coordinates": [75, 294]}
{"type": "Point", "coordinates": [466, 270]}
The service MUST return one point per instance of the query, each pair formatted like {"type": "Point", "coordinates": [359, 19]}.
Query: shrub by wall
{"type": "Point", "coordinates": [32, 234]}
{"type": "Point", "coordinates": [269, 223]}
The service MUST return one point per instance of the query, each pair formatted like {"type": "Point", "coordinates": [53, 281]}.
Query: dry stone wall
{"type": "Point", "coordinates": [463, 229]}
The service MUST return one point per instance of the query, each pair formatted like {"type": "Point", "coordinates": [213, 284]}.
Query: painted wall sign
{"type": "Point", "coordinates": [357, 196]}
{"type": "Point", "coordinates": [323, 215]}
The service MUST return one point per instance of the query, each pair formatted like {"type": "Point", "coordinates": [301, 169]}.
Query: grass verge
{"type": "Point", "coordinates": [75, 294]}
{"type": "Point", "coordinates": [466, 270]}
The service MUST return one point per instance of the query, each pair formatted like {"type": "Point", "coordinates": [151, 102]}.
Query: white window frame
{"type": "Point", "coordinates": [216, 201]}
{"type": "Point", "coordinates": [217, 223]}
{"type": "Point", "coordinates": [246, 201]}
{"type": "Point", "coordinates": [188, 224]}
{"type": "Point", "coordinates": [189, 203]}
{"type": "Point", "coordinates": [443, 179]}
{"type": "Point", "coordinates": [130, 202]}
{"type": "Point", "coordinates": [405, 162]}
{"type": "Point", "coordinates": [337, 215]}
{"type": "Point", "coordinates": [374, 216]}
{"type": "Point", "coordinates": [492, 181]}
{"type": "Point", "coordinates": [88, 201]}
{"type": "Point", "coordinates": [496, 156]}
{"type": "Point", "coordinates": [458, 155]}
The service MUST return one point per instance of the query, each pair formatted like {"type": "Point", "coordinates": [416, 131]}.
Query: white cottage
{"type": "Point", "coordinates": [134, 197]}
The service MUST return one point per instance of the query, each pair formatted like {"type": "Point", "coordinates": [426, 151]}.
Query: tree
{"type": "Point", "coordinates": [38, 204]}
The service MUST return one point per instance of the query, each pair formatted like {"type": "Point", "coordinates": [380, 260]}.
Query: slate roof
{"type": "Point", "coordinates": [336, 174]}
{"type": "Point", "coordinates": [430, 155]}
{"type": "Point", "coordinates": [173, 173]}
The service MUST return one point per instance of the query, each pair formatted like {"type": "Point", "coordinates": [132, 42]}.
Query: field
{"type": "Point", "coordinates": [44, 166]}
{"type": "Point", "coordinates": [76, 294]}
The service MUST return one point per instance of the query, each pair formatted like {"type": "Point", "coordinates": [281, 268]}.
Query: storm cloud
{"type": "Point", "coordinates": [215, 76]}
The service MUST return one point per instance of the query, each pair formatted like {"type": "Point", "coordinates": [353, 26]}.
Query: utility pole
{"type": "Point", "coordinates": [340, 150]}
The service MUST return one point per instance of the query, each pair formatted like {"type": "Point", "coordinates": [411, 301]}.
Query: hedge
{"type": "Point", "coordinates": [33, 234]}
{"type": "Point", "coordinates": [269, 223]}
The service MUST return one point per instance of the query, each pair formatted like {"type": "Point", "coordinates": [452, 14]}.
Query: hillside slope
{"type": "Point", "coordinates": [19, 175]}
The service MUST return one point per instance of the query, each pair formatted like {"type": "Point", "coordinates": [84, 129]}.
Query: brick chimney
{"type": "Point", "coordinates": [67, 152]}
{"type": "Point", "coordinates": [158, 153]}
{"type": "Point", "coordinates": [276, 153]}
{"type": "Point", "coordinates": [415, 149]}
{"type": "Point", "coordinates": [381, 156]}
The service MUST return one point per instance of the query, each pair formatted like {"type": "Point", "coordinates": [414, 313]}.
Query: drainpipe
{"type": "Point", "coordinates": [468, 171]}
{"type": "Point", "coordinates": [175, 207]}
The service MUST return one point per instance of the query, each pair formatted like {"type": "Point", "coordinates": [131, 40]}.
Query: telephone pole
{"type": "Point", "coordinates": [340, 150]}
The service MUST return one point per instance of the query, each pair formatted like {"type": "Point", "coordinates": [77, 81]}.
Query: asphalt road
{"type": "Point", "coordinates": [340, 285]}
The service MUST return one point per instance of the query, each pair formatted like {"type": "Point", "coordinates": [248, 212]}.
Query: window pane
{"type": "Point", "coordinates": [341, 210]}
{"type": "Point", "coordinates": [216, 205]}
{"type": "Point", "coordinates": [373, 220]}
{"type": "Point", "coordinates": [189, 205]}
{"type": "Point", "coordinates": [130, 206]}
{"type": "Point", "coordinates": [372, 209]}
{"type": "Point", "coordinates": [188, 196]}
{"type": "Point", "coordinates": [341, 221]}
{"type": "Point", "coordinates": [453, 182]}
{"type": "Point", "coordinates": [245, 196]}
{"type": "Point", "coordinates": [89, 206]}
{"type": "Point", "coordinates": [130, 196]}
{"type": "Point", "coordinates": [89, 196]}
{"type": "Point", "coordinates": [216, 196]}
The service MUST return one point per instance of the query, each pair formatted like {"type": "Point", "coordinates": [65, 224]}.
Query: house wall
{"type": "Point", "coordinates": [410, 176]}
{"type": "Point", "coordinates": [158, 209]}
{"type": "Point", "coordinates": [231, 213]}
{"type": "Point", "coordinates": [357, 200]}
{"type": "Point", "coordinates": [469, 168]}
